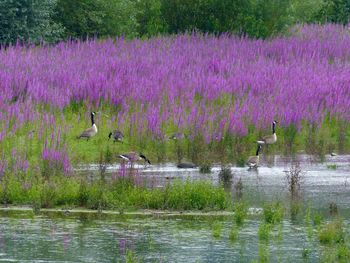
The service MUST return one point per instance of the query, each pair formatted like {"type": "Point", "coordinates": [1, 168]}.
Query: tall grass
{"type": "Point", "coordinates": [119, 194]}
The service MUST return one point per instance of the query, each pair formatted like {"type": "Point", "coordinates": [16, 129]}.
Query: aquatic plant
{"type": "Point", "coordinates": [332, 166]}
{"type": "Point", "coordinates": [240, 213]}
{"type": "Point", "coordinates": [305, 253]}
{"type": "Point", "coordinates": [295, 208]}
{"type": "Point", "coordinates": [294, 179]}
{"type": "Point", "coordinates": [264, 253]}
{"type": "Point", "coordinates": [205, 168]}
{"type": "Point", "coordinates": [122, 193]}
{"type": "Point", "coordinates": [308, 225]}
{"type": "Point", "coordinates": [131, 257]}
{"type": "Point", "coordinates": [333, 209]}
{"type": "Point", "coordinates": [273, 213]}
{"type": "Point", "coordinates": [216, 229]}
{"type": "Point", "coordinates": [264, 231]}
{"type": "Point", "coordinates": [343, 253]}
{"type": "Point", "coordinates": [225, 174]}
{"type": "Point", "coordinates": [317, 218]}
{"type": "Point", "coordinates": [332, 232]}
{"type": "Point", "coordinates": [238, 186]}
{"type": "Point", "coordinates": [233, 235]}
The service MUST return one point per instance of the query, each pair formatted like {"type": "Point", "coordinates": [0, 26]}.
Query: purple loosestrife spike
{"type": "Point", "coordinates": [183, 81]}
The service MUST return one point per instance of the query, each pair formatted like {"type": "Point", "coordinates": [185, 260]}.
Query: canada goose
{"type": "Point", "coordinates": [253, 161]}
{"type": "Point", "coordinates": [270, 139]}
{"type": "Point", "coordinates": [89, 132]}
{"type": "Point", "coordinates": [134, 157]}
{"type": "Point", "coordinates": [186, 165]}
{"type": "Point", "coordinates": [117, 136]}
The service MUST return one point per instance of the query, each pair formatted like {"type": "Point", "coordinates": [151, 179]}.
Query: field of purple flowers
{"type": "Point", "coordinates": [223, 92]}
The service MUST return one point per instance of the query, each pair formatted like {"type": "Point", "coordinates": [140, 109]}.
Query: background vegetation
{"type": "Point", "coordinates": [49, 21]}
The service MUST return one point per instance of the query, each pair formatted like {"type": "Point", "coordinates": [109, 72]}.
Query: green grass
{"type": "Point", "coordinates": [119, 194]}
{"type": "Point", "coordinates": [216, 229]}
{"type": "Point", "coordinates": [332, 166]}
{"type": "Point", "coordinates": [232, 149]}
{"type": "Point", "coordinates": [240, 213]}
{"type": "Point", "coordinates": [273, 213]}
{"type": "Point", "coordinates": [233, 235]}
{"type": "Point", "coordinates": [332, 233]}
{"type": "Point", "coordinates": [264, 231]}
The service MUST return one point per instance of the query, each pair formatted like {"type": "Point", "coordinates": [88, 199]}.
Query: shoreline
{"type": "Point", "coordinates": [143, 212]}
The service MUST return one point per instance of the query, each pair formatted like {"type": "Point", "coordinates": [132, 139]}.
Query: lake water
{"type": "Point", "coordinates": [79, 237]}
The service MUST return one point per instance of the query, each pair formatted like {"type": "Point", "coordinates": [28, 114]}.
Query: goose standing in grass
{"type": "Point", "coordinates": [134, 157]}
{"type": "Point", "coordinates": [117, 136]}
{"type": "Point", "coordinates": [270, 139]}
{"type": "Point", "coordinates": [89, 132]}
{"type": "Point", "coordinates": [253, 161]}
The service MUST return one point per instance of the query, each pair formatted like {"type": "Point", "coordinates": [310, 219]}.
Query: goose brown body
{"type": "Point", "coordinates": [272, 138]}
{"type": "Point", "coordinates": [89, 132]}
{"type": "Point", "coordinates": [253, 161]}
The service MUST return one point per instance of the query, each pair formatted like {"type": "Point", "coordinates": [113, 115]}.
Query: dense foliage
{"type": "Point", "coordinates": [28, 21]}
{"type": "Point", "coordinates": [51, 20]}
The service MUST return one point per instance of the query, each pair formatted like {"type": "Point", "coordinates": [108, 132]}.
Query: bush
{"type": "Point", "coordinates": [28, 21]}
{"type": "Point", "coordinates": [89, 18]}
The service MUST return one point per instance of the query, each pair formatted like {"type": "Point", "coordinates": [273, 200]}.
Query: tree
{"type": "Point", "coordinates": [100, 18]}
{"type": "Point", "coordinates": [28, 21]}
{"type": "Point", "coordinates": [149, 18]}
{"type": "Point", "coordinates": [335, 11]}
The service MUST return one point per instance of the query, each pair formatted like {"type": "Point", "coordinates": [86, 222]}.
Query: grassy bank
{"type": "Point", "coordinates": [119, 194]}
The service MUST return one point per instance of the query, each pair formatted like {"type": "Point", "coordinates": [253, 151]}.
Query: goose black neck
{"type": "Point", "coordinates": [92, 119]}
{"type": "Point", "coordinates": [145, 158]}
{"type": "Point", "coordinates": [273, 128]}
{"type": "Point", "coordinates": [258, 150]}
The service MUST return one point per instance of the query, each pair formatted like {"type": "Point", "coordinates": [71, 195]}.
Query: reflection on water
{"type": "Point", "coordinates": [150, 239]}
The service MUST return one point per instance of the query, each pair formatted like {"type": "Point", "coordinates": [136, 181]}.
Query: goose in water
{"type": "Point", "coordinates": [272, 138]}
{"type": "Point", "coordinates": [253, 161]}
{"type": "Point", "coordinates": [117, 136]}
{"type": "Point", "coordinates": [134, 157]}
{"type": "Point", "coordinates": [89, 132]}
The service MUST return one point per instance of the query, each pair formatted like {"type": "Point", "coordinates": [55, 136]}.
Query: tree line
{"type": "Point", "coordinates": [49, 21]}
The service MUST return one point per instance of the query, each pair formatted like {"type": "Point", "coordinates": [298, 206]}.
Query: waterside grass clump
{"type": "Point", "coordinates": [332, 233]}
{"type": "Point", "coordinates": [121, 193]}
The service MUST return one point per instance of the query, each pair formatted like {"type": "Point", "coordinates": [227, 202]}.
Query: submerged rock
{"type": "Point", "coordinates": [186, 165]}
